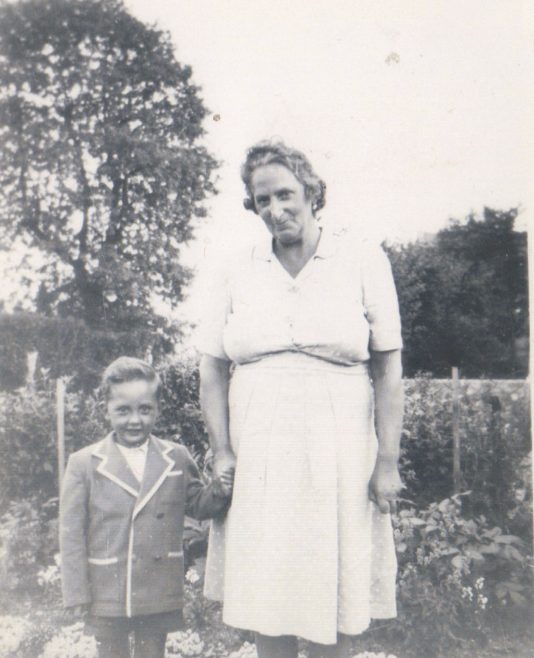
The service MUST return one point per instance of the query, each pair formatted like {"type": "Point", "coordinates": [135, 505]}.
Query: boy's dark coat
{"type": "Point", "coordinates": [121, 541]}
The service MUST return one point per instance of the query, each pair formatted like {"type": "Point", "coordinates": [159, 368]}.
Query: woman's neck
{"type": "Point", "coordinates": [295, 255]}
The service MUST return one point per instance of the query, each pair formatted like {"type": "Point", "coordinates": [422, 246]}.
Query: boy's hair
{"type": "Point", "coordinates": [128, 369]}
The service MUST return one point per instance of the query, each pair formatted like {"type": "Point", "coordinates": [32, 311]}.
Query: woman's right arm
{"type": "Point", "coordinates": [214, 385]}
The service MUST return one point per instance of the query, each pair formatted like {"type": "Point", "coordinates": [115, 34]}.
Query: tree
{"type": "Point", "coordinates": [463, 297]}
{"type": "Point", "coordinates": [100, 166]}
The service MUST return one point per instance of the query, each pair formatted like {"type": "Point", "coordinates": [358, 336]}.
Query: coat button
{"type": "Point", "coordinates": [157, 557]}
{"type": "Point", "coordinates": [160, 515]}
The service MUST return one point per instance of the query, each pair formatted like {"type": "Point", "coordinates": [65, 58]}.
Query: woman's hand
{"type": "Point", "coordinates": [385, 485]}
{"type": "Point", "coordinates": [224, 463]}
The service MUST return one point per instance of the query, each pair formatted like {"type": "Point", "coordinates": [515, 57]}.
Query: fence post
{"type": "Point", "coordinates": [456, 467]}
{"type": "Point", "coordinates": [60, 427]}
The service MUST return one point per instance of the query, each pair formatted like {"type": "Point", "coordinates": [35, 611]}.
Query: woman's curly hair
{"type": "Point", "coordinates": [273, 152]}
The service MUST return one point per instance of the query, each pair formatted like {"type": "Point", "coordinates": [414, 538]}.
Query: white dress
{"type": "Point", "coordinates": [303, 551]}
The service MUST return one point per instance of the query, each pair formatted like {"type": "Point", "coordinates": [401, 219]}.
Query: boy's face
{"type": "Point", "coordinates": [132, 410]}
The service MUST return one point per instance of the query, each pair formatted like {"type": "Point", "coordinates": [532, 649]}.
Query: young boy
{"type": "Point", "coordinates": [121, 520]}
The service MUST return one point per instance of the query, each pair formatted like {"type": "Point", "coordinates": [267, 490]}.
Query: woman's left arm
{"type": "Point", "coordinates": [386, 371]}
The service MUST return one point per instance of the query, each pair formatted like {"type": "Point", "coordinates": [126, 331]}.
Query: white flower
{"type": "Point", "coordinates": [185, 643]}
{"type": "Point", "coordinates": [248, 650]}
{"type": "Point", "coordinates": [192, 576]}
{"type": "Point", "coordinates": [70, 643]}
{"type": "Point", "coordinates": [13, 631]}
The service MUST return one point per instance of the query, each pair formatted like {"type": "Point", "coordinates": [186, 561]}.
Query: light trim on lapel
{"type": "Point", "coordinates": [164, 449]}
{"type": "Point", "coordinates": [101, 468]}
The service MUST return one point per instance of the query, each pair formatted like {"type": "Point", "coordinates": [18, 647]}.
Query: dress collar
{"type": "Point", "coordinates": [326, 248]}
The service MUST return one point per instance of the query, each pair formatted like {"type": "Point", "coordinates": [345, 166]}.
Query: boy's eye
{"type": "Point", "coordinates": [145, 409]}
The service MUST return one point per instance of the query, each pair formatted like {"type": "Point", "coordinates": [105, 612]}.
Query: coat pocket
{"type": "Point", "coordinates": [104, 579]}
{"type": "Point", "coordinates": [167, 575]}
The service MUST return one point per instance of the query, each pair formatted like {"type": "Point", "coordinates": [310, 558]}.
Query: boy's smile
{"type": "Point", "coordinates": [132, 410]}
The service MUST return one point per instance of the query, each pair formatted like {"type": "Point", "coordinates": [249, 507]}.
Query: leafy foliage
{"type": "Point", "coordinates": [495, 447]}
{"type": "Point", "coordinates": [180, 414]}
{"type": "Point", "coordinates": [28, 462]}
{"type": "Point", "coordinates": [463, 298]}
{"type": "Point", "coordinates": [28, 539]}
{"type": "Point", "coordinates": [456, 574]}
{"type": "Point", "coordinates": [101, 170]}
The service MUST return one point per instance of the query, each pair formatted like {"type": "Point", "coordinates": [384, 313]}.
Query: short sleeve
{"type": "Point", "coordinates": [380, 300]}
{"type": "Point", "coordinates": [214, 306]}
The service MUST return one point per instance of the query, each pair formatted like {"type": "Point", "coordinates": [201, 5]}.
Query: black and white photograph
{"type": "Point", "coordinates": [264, 328]}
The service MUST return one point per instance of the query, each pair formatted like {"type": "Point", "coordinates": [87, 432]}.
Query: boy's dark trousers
{"type": "Point", "coordinates": [148, 643]}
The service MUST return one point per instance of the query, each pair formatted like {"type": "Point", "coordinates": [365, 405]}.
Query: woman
{"type": "Point", "coordinates": [296, 330]}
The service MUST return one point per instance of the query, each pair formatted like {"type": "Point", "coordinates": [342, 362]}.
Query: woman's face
{"type": "Point", "coordinates": [281, 202]}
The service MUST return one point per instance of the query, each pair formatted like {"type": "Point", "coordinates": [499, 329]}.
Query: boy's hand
{"type": "Point", "coordinates": [224, 462]}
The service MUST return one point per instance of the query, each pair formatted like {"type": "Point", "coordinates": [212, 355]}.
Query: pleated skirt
{"type": "Point", "coordinates": [302, 551]}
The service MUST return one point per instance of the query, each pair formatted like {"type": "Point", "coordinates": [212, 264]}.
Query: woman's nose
{"type": "Point", "coordinates": [275, 210]}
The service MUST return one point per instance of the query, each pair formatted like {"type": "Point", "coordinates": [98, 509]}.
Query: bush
{"type": "Point", "coordinates": [494, 428]}
{"type": "Point", "coordinates": [28, 463]}
{"type": "Point", "coordinates": [456, 575]}
{"type": "Point", "coordinates": [180, 416]}
{"type": "Point", "coordinates": [28, 540]}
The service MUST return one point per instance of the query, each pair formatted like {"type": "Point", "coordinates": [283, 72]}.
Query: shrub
{"type": "Point", "coordinates": [494, 428]}
{"type": "Point", "coordinates": [28, 540]}
{"type": "Point", "coordinates": [455, 576]}
{"type": "Point", "coordinates": [180, 415]}
{"type": "Point", "coordinates": [28, 463]}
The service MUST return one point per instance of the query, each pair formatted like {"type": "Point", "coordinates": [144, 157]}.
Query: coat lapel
{"type": "Point", "coordinates": [114, 467]}
{"type": "Point", "coordinates": [158, 465]}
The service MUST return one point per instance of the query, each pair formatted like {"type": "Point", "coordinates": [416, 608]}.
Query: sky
{"type": "Point", "coordinates": [411, 111]}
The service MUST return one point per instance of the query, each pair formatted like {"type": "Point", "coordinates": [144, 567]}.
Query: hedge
{"type": "Point", "coordinates": [494, 433]}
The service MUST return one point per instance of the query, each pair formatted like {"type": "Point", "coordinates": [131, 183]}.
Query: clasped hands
{"type": "Point", "coordinates": [224, 470]}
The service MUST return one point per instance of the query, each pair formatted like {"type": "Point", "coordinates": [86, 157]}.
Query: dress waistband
{"type": "Point", "coordinates": [300, 361]}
